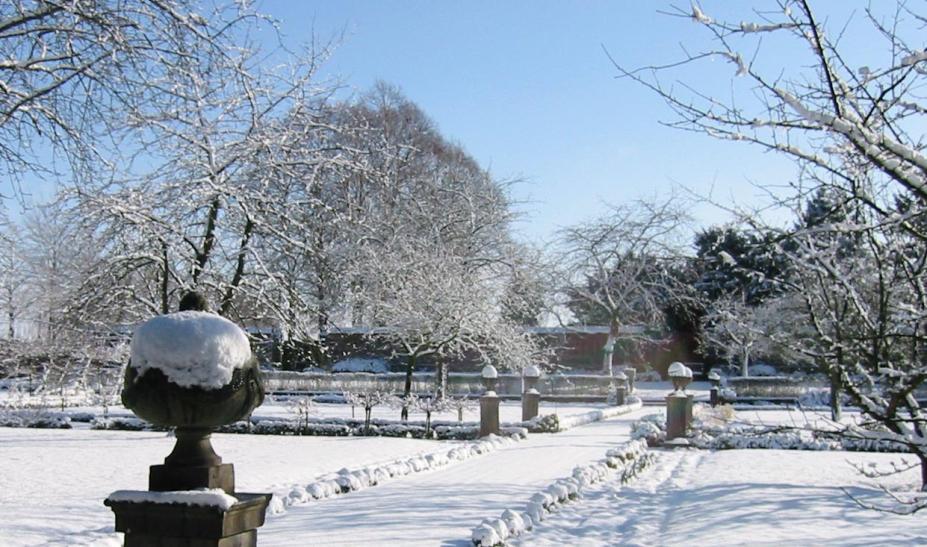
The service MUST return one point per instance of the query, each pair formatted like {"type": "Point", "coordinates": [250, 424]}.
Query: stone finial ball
{"type": "Point", "coordinates": [531, 371]}
{"type": "Point", "coordinates": [193, 301]}
{"type": "Point", "coordinates": [489, 371]}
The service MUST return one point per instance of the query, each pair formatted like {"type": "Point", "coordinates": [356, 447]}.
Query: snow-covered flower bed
{"type": "Point", "coordinates": [328, 427]}
{"type": "Point", "coordinates": [627, 460]}
{"type": "Point", "coordinates": [351, 480]}
{"type": "Point", "coordinates": [350, 427]}
{"type": "Point", "coordinates": [714, 429]}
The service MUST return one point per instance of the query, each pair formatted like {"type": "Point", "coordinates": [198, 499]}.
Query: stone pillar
{"type": "Point", "coordinates": [489, 402]}
{"type": "Point", "coordinates": [489, 414]}
{"type": "Point", "coordinates": [530, 397]}
{"type": "Point", "coordinates": [530, 402]}
{"type": "Point", "coordinates": [620, 395]}
{"type": "Point", "coordinates": [678, 403]}
{"type": "Point", "coordinates": [676, 415]}
{"type": "Point", "coordinates": [620, 383]}
{"type": "Point", "coordinates": [715, 393]}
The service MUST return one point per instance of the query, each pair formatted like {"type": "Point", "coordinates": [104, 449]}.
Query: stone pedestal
{"type": "Point", "coordinates": [155, 524]}
{"type": "Point", "coordinates": [621, 395]}
{"type": "Point", "coordinates": [677, 415]}
{"type": "Point", "coordinates": [690, 404]}
{"type": "Point", "coordinates": [530, 402]}
{"type": "Point", "coordinates": [489, 414]}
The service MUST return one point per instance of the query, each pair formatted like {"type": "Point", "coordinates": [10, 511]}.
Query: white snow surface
{"type": "Point", "coordinates": [191, 348]}
{"type": "Point", "coordinates": [734, 497]}
{"type": "Point", "coordinates": [53, 482]}
{"type": "Point", "coordinates": [211, 497]}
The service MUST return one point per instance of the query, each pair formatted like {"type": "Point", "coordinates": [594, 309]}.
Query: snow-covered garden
{"type": "Point", "coordinates": [215, 252]}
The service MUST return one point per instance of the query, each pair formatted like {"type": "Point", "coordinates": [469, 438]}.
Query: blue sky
{"type": "Point", "coordinates": [526, 88]}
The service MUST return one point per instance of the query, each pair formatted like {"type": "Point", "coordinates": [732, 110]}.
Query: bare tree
{"type": "Point", "coordinates": [850, 127]}
{"type": "Point", "coordinates": [72, 69]}
{"type": "Point", "coordinates": [618, 268]}
{"type": "Point", "coordinates": [737, 330]}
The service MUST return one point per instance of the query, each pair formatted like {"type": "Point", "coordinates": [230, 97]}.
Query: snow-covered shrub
{"type": "Point", "coordinates": [651, 428]}
{"type": "Point", "coordinates": [549, 423]}
{"type": "Point", "coordinates": [34, 418]}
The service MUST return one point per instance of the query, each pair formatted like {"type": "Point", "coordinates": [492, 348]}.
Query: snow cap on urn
{"type": "Point", "coordinates": [680, 374]}
{"type": "Point", "coordinates": [490, 375]}
{"type": "Point", "coordinates": [531, 371]}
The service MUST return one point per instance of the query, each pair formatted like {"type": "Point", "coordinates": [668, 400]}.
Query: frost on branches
{"type": "Point", "coordinates": [855, 291]}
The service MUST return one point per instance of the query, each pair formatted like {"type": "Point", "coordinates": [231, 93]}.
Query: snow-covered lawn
{"type": "Point", "coordinates": [734, 497]}
{"type": "Point", "coordinates": [53, 482]}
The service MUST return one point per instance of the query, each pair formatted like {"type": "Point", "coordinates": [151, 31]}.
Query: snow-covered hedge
{"type": "Point", "coordinates": [329, 427]}
{"type": "Point", "coordinates": [627, 460]}
{"type": "Point", "coordinates": [40, 419]}
{"type": "Point", "coordinates": [350, 427]}
{"type": "Point", "coordinates": [351, 480]}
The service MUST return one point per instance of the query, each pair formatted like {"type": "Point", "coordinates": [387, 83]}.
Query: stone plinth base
{"type": "Point", "coordinates": [489, 414]}
{"type": "Point", "coordinates": [677, 415]}
{"type": "Point", "coordinates": [153, 524]}
{"type": "Point", "coordinates": [621, 395]}
{"type": "Point", "coordinates": [162, 478]}
{"type": "Point", "coordinates": [530, 402]}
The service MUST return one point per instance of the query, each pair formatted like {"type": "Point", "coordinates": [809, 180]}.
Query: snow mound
{"type": "Point", "coordinates": [191, 348]}
{"type": "Point", "coordinates": [375, 365]}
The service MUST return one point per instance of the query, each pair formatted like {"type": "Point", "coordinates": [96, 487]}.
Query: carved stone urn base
{"type": "Point", "coordinates": [192, 464]}
{"type": "Point", "coordinates": [154, 524]}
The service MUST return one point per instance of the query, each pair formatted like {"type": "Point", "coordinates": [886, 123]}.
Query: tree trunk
{"type": "Point", "coordinates": [836, 411]}
{"type": "Point", "coordinates": [608, 351]}
{"type": "Point", "coordinates": [165, 279]}
{"type": "Point", "coordinates": [441, 381]}
{"type": "Point", "coordinates": [923, 459]}
{"type": "Point", "coordinates": [745, 367]}
{"type": "Point", "coordinates": [410, 367]}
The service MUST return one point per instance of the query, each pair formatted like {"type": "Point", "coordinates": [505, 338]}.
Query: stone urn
{"type": "Point", "coordinates": [192, 371]}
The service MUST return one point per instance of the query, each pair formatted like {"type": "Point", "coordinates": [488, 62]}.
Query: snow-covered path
{"type": "Point", "coordinates": [734, 497]}
{"type": "Point", "coordinates": [441, 507]}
